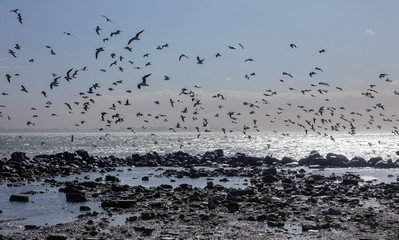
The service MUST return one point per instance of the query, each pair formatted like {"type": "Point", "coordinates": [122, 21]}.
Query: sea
{"type": "Point", "coordinates": [14, 216]}
{"type": "Point", "coordinates": [294, 145]}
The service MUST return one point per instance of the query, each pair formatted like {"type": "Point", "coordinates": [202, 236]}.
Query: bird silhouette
{"type": "Point", "coordinates": [136, 37]}
{"type": "Point", "coordinates": [143, 81]}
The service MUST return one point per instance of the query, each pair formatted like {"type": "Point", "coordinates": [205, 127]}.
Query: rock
{"type": "Point", "coordinates": [332, 211]}
{"type": "Point", "coordinates": [19, 156]}
{"type": "Point", "coordinates": [232, 206]}
{"type": "Point", "coordinates": [56, 237]}
{"type": "Point", "coordinates": [287, 160]}
{"type": "Point", "coordinates": [145, 178]}
{"type": "Point", "coordinates": [147, 216]}
{"type": "Point", "coordinates": [82, 153]}
{"type": "Point", "coordinates": [84, 208]}
{"type": "Point", "coordinates": [350, 179]}
{"type": "Point", "coordinates": [337, 160]}
{"type": "Point", "coordinates": [118, 203]}
{"type": "Point", "coordinates": [358, 162]}
{"type": "Point", "coordinates": [145, 231]}
{"type": "Point", "coordinates": [75, 197]}
{"type": "Point", "coordinates": [30, 227]}
{"type": "Point", "coordinates": [110, 178]}
{"type": "Point", "coordinates": [308, 225]}
{"type": "Point", "coordinates": [374, 161]}
{"type": "Point", "coordinates": [18, 198]}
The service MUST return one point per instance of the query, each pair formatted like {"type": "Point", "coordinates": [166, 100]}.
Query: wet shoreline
{"type": "Point", "coordinates": [280, 199]}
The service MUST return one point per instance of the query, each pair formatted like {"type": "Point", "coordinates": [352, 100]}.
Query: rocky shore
{"type": "Point", "coordinates": [279, 202]}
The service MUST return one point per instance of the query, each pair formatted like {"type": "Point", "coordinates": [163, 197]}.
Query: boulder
{"type": "Point", "coordinates": [358, 162]}
{"type": "Point", "coordinates": [19, 156]}
{"type": "Point", "coordinates": [18, 198]}
{"type": "Point", "coordinates": [336, 160]}
{"type": "Point", "coordinates": [374, 160]}
{"type": "Point", "coordinates": [75, 197]}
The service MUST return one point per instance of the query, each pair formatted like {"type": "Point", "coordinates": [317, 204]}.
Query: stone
{"type": "Point", "coordinates": [75, 197]}
{"type": "Point", "coordinates": [358, 162]}
{"type": "Point", "coordinates": [308, 225]}
{"type": "Point", "coordinates": [56, 237]}
{"type": "Point", "coordinates": [18, 198]}
{"type": "Point", "coordinates": [118, 203]}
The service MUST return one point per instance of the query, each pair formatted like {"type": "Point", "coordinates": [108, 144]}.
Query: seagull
{"type": "Point", "coordinates": [218, 55]}
{"type": "Point", "coordinates": [319, 69]}
{"type": "Point", "coordinates": [322, 50]}
{"type": "Point", "coordinates": [183, 55]}
{"type": "Point", "coordinates": [15, 10]}
{"type": "Point", "coordinates": [382, 75]}
{"type": "Point", "coordinates": [200, 61]}
{"type": "Point", "coordinates": [249, 60]}
{"type": "Point", "coordinates": [108, 20]}
{"type": "Point", "coordinates": [20, 18]}
{"type": "Point", "coordinates": [17, 46]}
{"type": "Point", "coordinates": [98, 29]}
{"type": "Point", "coordinates": [12, 53]}
{"type": "Point", "coordinates": [231, 47]}
{"type": "Point", "coordinates": [44, 93]}
{"type": "Point", "coordinates": [117, 32]}
{"type": "Point", "coordinates": [241, 45]}
{"type": "Point", "coordinates": [98, 50]}
{"type": "Point", "coordinates": [144, 81]}
{"type": "Point", "coordinates": [166, 77]}
{"type": "Point", "coordinates": [136, 37]}
{"type": "Point", "coordinates": [292, 45]}
{"type": "Point", "coordinates": [312, 73]}
{"type": "Point", "coordinates": [8, 76]}
{"type": "Point", "coordinates": [23, 89]}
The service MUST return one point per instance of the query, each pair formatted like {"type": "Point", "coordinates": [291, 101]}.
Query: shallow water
{"type": "Point", "coordinates": [49, 207]}
{"type": "Point", "coordinates": [295, 145]}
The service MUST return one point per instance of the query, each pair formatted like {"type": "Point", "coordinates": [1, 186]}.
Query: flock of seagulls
{"type": "Point", "coordinates": [321, 118]}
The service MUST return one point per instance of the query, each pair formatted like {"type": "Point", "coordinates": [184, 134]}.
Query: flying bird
{"type": "Point", "coordinates": [200, 61]}
{"type": "Point", "coordinates": [98, 50]}
{"type": "Point", "coordinates": [143, 81]}
{"type": "Point", "coordinates": [8, 76]}
{"type": "Point", "coordinates": [108, 20]}
{"type": "Point", "coordinates": [292, 45]}
{"type": "Point", "coordinates": [322, 50]}
{"type": "Point", "coordinates": [12, 53]}
{"type": "Point", "coordinates": [183, 55]}
{"type": "Point", "coordinates": [136, 37]}
{"type": "Point", "coordinates": [20, 18]}
{"type": "Point", "coordinates": [23, 89]}
{"type": "Point", "coordinates": [98, 29]}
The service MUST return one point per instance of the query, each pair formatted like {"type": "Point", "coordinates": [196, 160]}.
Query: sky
{"type": "Point", "coordinates": [359, 38]}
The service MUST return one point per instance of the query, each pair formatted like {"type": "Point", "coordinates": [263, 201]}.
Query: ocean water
{"type": "Point", "coordinates": [38, 212]}
{"type": "Point", "coordinates": [296, 145]}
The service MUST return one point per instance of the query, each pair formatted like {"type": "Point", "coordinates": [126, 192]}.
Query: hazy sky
{"type": "Point", "coordinates": [359, 37]}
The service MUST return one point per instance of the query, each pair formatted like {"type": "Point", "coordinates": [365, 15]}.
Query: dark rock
{"type": "Point", "coordinates": [56, 237]}
{"type": "Point", "coordinates": [110, 178]}
{"type": "Point", "coordinates": [374, 161]}
{"type": "Point", "coordinates": [30, 227]}
{"type": "Point", "coordinates": [147, 216]}
{"type": "Point", "coordinates": [84, 208]}
{"type": "Point", "coordinates": [308, 225]}
{"type": "Point", "coordinates": [75, 197]}
{"type": "Point", "coordinates": [19, 156]}
{"type": "Point", "coordinates": [18, 198]}
{"type": "Point", "coordinates": [232, 206]}
{"type": "Point", "coordinates": [82, 153]}
{"type": "Point", "coordinates": [358, 162]}
{"type": "Point", "coordinates": [287, 160]}
{"type": "Point", "coordinates": [145, 178]}
{"type": "Point", "coordinates": [145, 231]}
{"type": "Point", "coordinates": [118, 203]}
{"type": "Point", "coordinates": [337, 160]}
{"type": "Point", "coordinates": [350, 179]}
{"type": "Point", "coordinates": [332, 211]}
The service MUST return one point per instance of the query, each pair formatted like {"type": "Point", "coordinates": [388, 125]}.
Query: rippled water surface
{"type": "Point", "coordinates": [262, 144]}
